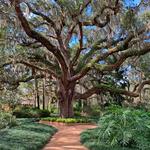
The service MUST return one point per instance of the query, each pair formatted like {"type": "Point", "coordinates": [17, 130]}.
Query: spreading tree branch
{"type": "Point", "coordinates": [112, 89]}
{"type": "Point", "coordinates": [37, 36]}
{"type": "Point", "coordinates": [124, 45]}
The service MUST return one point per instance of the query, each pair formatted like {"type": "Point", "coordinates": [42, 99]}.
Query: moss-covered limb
{"type": "Point", "coordinates": [124, 56]}
{"type": "Point", "coordinates": [120, 47]}
{"type": "Point", "coordinates": [106, 88]}
{"type": "Point", "coordinates": [39, 37]}
{"type": "Point", "coordinates": [98, 45]}
{"type": "Point", "coordinates": [27, 63]}
{"type": "Point", "coordinates": [39, 57]}
{"type": "Point", "coordinates": [23, 79]}
{"type": "Point", "coordinates": [87, 94]}
{"type": "Point", "coordinates": [3, 31]}
{"type": "Point", "coordinates": [112, 89]}
{"type": "Point", "coordinates": [141, 86]}
{"type": "Point", "coordinates": [51, 65]}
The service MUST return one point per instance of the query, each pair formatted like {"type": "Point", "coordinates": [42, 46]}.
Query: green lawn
{"type": "Point", "coordinates": [27, 135]}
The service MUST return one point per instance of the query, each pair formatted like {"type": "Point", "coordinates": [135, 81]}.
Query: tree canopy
{"type": "Point", "coordinates": [75, 42]}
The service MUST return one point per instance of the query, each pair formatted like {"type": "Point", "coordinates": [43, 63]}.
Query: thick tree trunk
{"type": "Point", "coordinates": [65, 95]}
{"type": "Point", "coordinates": [66, 109]}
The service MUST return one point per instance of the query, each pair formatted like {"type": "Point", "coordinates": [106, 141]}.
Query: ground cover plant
{"type": "Point", "coordinates": [27, 135]}
{"type": "Point", "coordinates": [68, 120]}
{"type": "Point", "coordinates": [120, 129]}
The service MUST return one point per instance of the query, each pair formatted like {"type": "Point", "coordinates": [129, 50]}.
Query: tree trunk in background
{"type": "Point", "coordinates": [37, 94]}
{"type": "Point", "coordinates": [66, 108]}
{"type": "Point", "coordinates": [44, 81]}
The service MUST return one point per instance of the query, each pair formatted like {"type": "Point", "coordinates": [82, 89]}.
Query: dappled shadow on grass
{"type": "Point", "coordinates": [27, 136]}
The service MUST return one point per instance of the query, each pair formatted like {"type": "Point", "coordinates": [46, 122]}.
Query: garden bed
{"type": "Point", "coordinates": [27, 135]}
{"type": "Point", "coordinates": [63, 123]}
{"type": "Point", "coordinates": [66, 121]}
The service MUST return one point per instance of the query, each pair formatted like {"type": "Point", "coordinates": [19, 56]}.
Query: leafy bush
{"type": "Point", "coordinates": [95, 110]}
{"type": "Point", "coordinates": [27, 112]}
{"type": "Point", "coordinates": [28, 135]}
{"type": "Point", "coordinates": [67, 120]}
{"type": "Point", "coordinates": [7, 120]}
{"type": "Point", "coordinates": [44, 113]}
{"type": "Point", "coordinates": [120, 128]}
{"type": "Point", "coordinates": [77, 113]}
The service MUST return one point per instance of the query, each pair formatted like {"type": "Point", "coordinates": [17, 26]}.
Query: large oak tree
{"type": "Point", "coordinates": [80, 37]}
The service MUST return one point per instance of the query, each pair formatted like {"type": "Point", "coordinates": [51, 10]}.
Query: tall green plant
{"type": "Point", "coordinates": [120, 129]}
{"type": "Point", "coordinates": [125, 127]}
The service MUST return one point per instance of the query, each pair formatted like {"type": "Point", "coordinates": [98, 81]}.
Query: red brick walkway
{"type": "Point", "coordinates": [67, 137]}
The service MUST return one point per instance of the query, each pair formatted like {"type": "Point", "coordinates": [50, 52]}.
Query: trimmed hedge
{"type": "Point", "coordinates": [67, 120]}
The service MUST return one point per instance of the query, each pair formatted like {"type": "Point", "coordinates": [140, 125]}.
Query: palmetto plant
{"type": "Point", "coordinates": [125, 127]}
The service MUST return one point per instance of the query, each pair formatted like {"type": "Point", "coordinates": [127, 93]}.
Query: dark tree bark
{"type": "Point", "coordinates": [65, 97]}
{"type": "Point", "coordinates": [37, 94]}
{"type": "Point", "coordinates": [44, 80]}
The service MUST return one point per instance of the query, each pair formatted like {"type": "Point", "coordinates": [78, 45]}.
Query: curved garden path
{"type": "Point", "coordinates": [67, 137]}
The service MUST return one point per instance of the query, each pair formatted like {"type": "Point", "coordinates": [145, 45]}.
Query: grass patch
{"type": "Point", "coordinates": [27, 135]}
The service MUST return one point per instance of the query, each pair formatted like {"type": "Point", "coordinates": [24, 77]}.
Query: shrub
{"type": "Point", "coordinates": [44, 113]}
{"type": "Point", "coordinates": [120, 128]}
{"type": "Point", "coordinates": [7, 120]}
{"type": "Point", "coordinates": [77, 113]}
{"type": "Point", "coordinates": [22, 112]}
{"type": "Point", "coordinates": [27, 112]}
{"type": "Point", "coordinates": [93, 110]}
